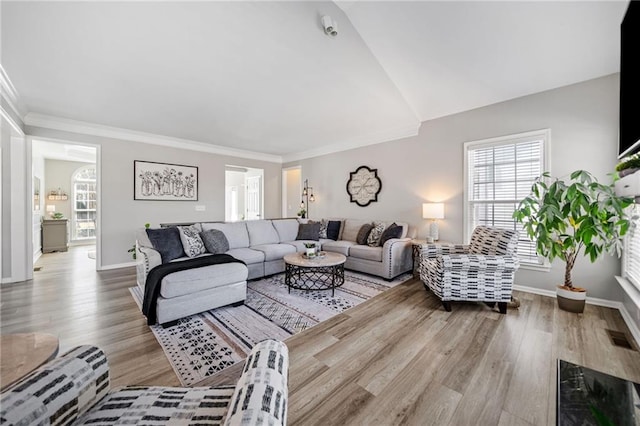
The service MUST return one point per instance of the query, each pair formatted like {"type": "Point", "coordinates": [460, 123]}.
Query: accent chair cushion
{"type": "Point", "coordinates": [215, 241]}
{"type": "Point", "coordinates": [167, 242]}
{"type": "Point", "coordinates": [191, 241]}
{"type": "Point", "coordinates": [393, 231]}
{"type": "Point", "coordinates": [363, 233]}
{"type": "Point", "coordinates": [309, 231]}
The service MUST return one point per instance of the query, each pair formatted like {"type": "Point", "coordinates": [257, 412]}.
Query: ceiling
{"type": "Point", "coordinates": [262, 76]}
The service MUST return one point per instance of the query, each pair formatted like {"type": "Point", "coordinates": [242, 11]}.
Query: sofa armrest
{"type": "Point", "coordinates": [146, 259]}
{"type": "Point", "coordinates": [261, 394]}
{"type": "Point", "coordinates": [478, 262]}
{"type": "Point", "coordinates": [431, 250]}
{"type": "Point", "coordinates": [60, 391]}
{"type": "Point", "coordinates": [397, 257]}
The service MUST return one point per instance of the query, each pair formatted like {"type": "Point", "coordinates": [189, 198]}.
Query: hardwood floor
{"type": "Point", "coordinates": [398, 358]}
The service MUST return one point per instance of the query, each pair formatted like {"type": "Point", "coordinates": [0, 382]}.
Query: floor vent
{"type": "Point", "coordinates": [36, 268]}
{"type": "Point", "coordinates": [618, 338]}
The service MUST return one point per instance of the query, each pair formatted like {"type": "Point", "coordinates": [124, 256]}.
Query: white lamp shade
{"type": "Point", "coordinates": [51, 208]}
{"type": "Point", "coordinates": [433, 210]}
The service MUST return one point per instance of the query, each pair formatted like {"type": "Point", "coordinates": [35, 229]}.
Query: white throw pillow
{"type": "Point", "coordinates": [191, 241]}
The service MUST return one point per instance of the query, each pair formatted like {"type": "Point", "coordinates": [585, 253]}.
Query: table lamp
{"type": "Point", "coordinates": [51, 208]}
{"type": "Point", "coordinates": [433, 212]}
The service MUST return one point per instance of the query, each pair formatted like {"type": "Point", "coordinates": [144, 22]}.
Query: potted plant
{"type": "Point", "coordinates": [580, 215]}
{"type": "Point", "coordinates": [132, 250]}
{"type": "Point", "coordinates": [302, 213]}
{"type": "Point", "coordinates": [311, 249]}
{"type": "Point", "coordinates": [628, 165]}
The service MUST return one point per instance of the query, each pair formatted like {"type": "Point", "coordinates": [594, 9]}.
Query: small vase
{"type": "Point", "coordinates": [311, 252]}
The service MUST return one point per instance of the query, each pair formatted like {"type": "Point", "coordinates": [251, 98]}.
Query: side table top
{"type": "Point", "coordinates": [22, 353]}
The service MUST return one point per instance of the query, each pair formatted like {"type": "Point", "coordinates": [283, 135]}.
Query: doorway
{"type": "Point", "coordinates": [244, 189]}
{"type": "Point", "coordinates": [68, 187]}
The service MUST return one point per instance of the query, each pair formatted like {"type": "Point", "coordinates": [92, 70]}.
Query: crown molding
{"type": "Point", "coordinates": [82, 127]}
{"type": "Point", "coordinates": [15, 126]}
{"type": "Point", "coordinates": [392, 134]}
{"type": "Point", "coordinates": [9, 93]}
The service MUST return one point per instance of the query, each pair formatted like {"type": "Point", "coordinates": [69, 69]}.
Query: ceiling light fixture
{"type": "Point", "coordinates": [330, 26]}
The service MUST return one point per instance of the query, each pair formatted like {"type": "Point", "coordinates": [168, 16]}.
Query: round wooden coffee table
{"type": "Point", "coordinates": [319, 273]}
{"type": "Point", "coordinates": [22, 353]}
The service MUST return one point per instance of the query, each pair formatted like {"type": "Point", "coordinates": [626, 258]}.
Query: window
{"type": "Point", "coordinates": [83, 221]}
{"type": "Point", "coordinates": [631, 259]}
{"type": "Point", "coordinates": [499, 174]}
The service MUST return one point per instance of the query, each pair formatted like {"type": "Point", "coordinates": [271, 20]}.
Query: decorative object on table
{"type": "Point", "coordinates": [57, 215]}
{"type": "Point", "coordinates": [433, 212]}
{"type": "Point", "coordinates": [164, 181]}
{"type": "Point", "coordinates": [363, 186]}
{"type": "Point", "coordinates": [590, 397]}
{"type": "Point", "coordinates": [225, 335]}
{"type": "Point", "coordinates": [51, 209]}
{"type": "Point", "coordinates": [481, 271]}
{"type": "Point", "coordinates": [307, 197]}
{"type": "Point", "coordinates": [628, 165]}
{"type": "Point", "coordinates": [57, 195]}
{"type": "Point", "coordinates": [312, 249]}
{"type": "Point", "coordinates": [569, 217]}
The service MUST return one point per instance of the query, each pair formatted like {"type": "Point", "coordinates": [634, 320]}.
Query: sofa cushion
{"type": "Point", "coordinates": [262, 232]}
{"type": "Point", "coordinates": [247, 255]}
{"type": "Point", "coordinates": [191, 241]}
{"type": "Point", "coordinates": [393, 231]}
{"type": "Point", "coordinates": [274, 251]}
{"type": "Point", "coordinates": [166, 241]}
{"type": "Point", "coordinates": [351, 228]}
{"type": "Point", "coordinates": [300, 244]}
{"type": "Point", "coordinates": [341, 246]}
{"type": "Point", "coordinates": [215, 241]}
{"type": "Point", "coordinates": [366, 252]}
{"type": "Point", "coordinates": [309, 231]}
{"type": "Point", "coordinates": [287, 229]}
{"type": "Point", "coordinates": [374, 236]}
{"type": "Point", "coordinates": [236, 233]}
{"type": "Point", "coordinates": [363, 233]}
{"type": "Point", "coordinates": [193, 280]}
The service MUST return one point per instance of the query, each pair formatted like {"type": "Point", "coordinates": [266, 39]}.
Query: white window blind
{"type": "Point", "coordinates": [500, 174]}
{"type": "Point", "coordinates": [631, 262]}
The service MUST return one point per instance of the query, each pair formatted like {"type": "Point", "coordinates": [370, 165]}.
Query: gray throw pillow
{"type": "Point", "coordinates": [309, 231]}
{"type": "Point", "coordinates": [215, 241]}
{"type": "Point", "coordinates": [393, 231]}
{"type": "Point", "coordinates": [191, 241]}
{"type": "Point", "coordinates": [167, 242]}
{"type": "Point", "coordinates": [363, 233]}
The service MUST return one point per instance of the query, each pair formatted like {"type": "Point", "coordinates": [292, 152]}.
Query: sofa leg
{"type": "Point", "coordinates": [169, 324]}
{"type": "Point", "coordinates": [503, 307]}
{"type": "Point", "coordinates": [240, 303]}
{"type": "Point", "coordinates": [447, 305]}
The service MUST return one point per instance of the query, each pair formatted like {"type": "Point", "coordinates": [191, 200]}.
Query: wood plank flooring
{"type": "Point", "coordinates": [398, 358]}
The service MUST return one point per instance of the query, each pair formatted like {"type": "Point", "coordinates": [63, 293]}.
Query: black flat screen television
{"type": "Point", "coordinates": [629, 131]}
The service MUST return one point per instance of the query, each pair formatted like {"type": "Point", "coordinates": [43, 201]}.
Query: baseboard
{"type": "Point", "coordinates": [626, 316]}
{"type": "Point", "coordinates": [36, 256]}
{"type": "Point", "coordinates": [117, 266]}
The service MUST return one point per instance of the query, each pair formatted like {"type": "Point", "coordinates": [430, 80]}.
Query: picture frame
{"type": "Point", "coordinates": [155, 181]}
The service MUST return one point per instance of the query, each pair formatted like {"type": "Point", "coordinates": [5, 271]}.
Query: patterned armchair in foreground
{"type": "Point", "coordinates": [480, 271]}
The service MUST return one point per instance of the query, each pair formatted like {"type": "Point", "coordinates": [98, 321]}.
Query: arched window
{"type": "Point", "coordinates": [83, 220]}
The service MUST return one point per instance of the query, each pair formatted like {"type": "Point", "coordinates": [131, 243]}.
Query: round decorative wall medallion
{"type": "Point", "coordinates": [363, 186]}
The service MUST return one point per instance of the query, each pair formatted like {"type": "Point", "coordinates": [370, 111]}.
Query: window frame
{"type": "Point", "coordinates": [513, 139]}
{"type": "Point", "coordinates": [74, 210]}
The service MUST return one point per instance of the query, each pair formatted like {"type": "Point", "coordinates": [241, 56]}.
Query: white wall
{"type": "Point", "coordinates": [121, 215]}
{"type": "Point", "coordinates": [583, 119]}
{"type": "Point", "coordinates": [294, 192]}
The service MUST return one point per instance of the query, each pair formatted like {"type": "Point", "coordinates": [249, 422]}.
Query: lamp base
{"type": "Point", "coordinates": [433, 230]}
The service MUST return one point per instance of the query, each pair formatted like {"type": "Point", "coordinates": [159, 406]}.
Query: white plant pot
{"type": "Point", "coordinates": [571, 301]}
{"type": "Point", "coordinates": [311, 252]}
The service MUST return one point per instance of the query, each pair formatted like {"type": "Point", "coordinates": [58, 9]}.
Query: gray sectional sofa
{"type": "Point", "coordinates": [261, 245]}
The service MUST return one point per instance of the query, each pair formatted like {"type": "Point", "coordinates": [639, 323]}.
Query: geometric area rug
{"type": "Point", "coordinates": [203, 344]}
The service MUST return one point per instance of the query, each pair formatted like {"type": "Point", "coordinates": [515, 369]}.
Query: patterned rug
{"type": "Point", "coordinates": [203, 344]}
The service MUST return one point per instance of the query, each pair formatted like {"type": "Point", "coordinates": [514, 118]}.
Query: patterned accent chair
{"type": "Point", "coordinates": [74, 389]}
{"type": "Point", "coordinates": [481, 271]}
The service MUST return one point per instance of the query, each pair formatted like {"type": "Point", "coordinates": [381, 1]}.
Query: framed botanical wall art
{"type": "Point", "coordinates": [164, 181]}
